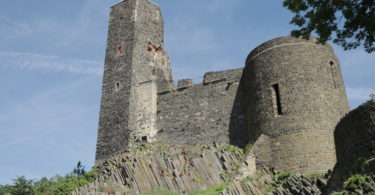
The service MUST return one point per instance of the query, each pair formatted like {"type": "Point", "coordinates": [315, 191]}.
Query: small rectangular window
{"type": "Point", "coordinates": [117, 88]}
{"type": "Point", "coordinates": [333, 73]}
{"type": "Point", "coordinates": [276, 99]}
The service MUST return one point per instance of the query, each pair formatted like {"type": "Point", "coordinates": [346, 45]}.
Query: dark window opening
{"type": "Point", "coordinates": [277, 99]}
{"type": "Point", "coordinates": [117, 86]}
{"type": "Point", "coordinates": [333, 73]}
{"type": "Point", "coordinates": [119, 51]}
{"type": "Point", "coordinates": [144, 138]}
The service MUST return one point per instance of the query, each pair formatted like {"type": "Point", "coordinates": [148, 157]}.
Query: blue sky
{"type": "Point", "coordinates": [51, 62]}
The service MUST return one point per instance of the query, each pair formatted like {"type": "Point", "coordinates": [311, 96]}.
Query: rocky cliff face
{"type": "Point", "coordinates": [218, 169]}
{"type": "Point", "coordinates": [158, 166]}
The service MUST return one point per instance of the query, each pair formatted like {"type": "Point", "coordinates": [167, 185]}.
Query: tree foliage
{"type": "Point", "coordinates": [57, 185]}
{"type": "Point", "coordinates": [79, 170]}
{"type": "Point", "coordinates": [349, 23]}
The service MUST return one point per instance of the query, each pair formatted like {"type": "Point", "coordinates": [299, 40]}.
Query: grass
{"type": "Point", "coordinates": [283, 175]}
{"type": "Point", "coordinates": [247, 148]}
{"type": "Point", "coordinates": [215, 190]}
{"type": "Point", "coordinates": [212, 190]}
{"type": "Point", "coordinates": [231, 148]}
{"type": "Point", "coordinates": [312, 175]}
{"type": "Point", "coordinates": [160, 192]}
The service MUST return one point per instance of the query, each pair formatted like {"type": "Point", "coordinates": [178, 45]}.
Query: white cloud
{"type": "Point", "coordinates": [30, 61]}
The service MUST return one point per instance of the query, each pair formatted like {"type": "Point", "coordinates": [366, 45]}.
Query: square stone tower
{"type": "Point", "coordinates": [136, 69]}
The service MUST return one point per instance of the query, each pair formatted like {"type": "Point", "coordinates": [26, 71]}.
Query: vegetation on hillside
{"type": "Point", "coordinates": [358, 184]}
{"type": "Point", "coordinates": [57, 185]}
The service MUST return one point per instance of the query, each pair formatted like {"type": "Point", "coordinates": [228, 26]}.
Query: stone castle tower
{"type": "Point", "coordinates": [286, 102]}
{"type": "Point", "coordinates": [297, 96]}
{"type": "Point", "coordinates": [136, 67]}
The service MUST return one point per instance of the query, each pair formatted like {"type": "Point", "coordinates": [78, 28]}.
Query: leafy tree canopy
{"type": "Point", "coordinates": [349, 23]}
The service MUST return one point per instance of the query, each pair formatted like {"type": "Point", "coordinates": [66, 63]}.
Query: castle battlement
{"type": "Point", "coordinates": [286, 101]}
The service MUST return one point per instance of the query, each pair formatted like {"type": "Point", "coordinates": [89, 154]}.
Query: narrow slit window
{"type": "Point", "coordinates": [117, 87]}
{"type": "Point", "coordinates": [119, 51]}
{"type": "Point", "coordinates": [333, 73]}
{"type": "Point", "coordinates": [277, 100]}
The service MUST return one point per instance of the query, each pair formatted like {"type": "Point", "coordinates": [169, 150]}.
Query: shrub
{"type": "Point", "coordinates": [283, 175]}
{"type": "Point", "coordinates": [247, 148]}
{"type": "Point", "coordinates": [354, 182]}
{"type": "Point", "coordinates": [56, 185]}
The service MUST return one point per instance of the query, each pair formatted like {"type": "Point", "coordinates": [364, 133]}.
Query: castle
{"type": "Point", "coordinates": [285, 102]}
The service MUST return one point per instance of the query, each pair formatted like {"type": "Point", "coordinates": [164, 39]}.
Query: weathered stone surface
{"type": "Point", "coordinates": [296, 96]}
{"type": "Point", "coordinates": [203, 113]}
{"type": "Point", "coordinates": [355, 145]}
{"type": "Point", "coordinates": [269, 182]}
{"type": "Point", "coordinates": [158, 166]}
{"type": "Point", "coordinates": [134, 59]}
{"type": "Point", "coordinates": [184, 83]}
{"type": "Point", "coordinates": [262, 151]}
{"type": "Point", "coordinates": [286, 101]}
{"type": "Point", "coordinates": [355, 138]}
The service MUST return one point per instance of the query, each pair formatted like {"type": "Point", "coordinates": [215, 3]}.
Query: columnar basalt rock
{"type": "Point", "coordinates": [296, 96]}
{"type": "Point", "coordinates": [136, 68]}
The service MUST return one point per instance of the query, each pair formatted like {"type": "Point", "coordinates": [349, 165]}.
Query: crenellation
{"type": "Point", "coordinates": [233, 75]}
{"type": "Point", "coordinates": [183, 83]}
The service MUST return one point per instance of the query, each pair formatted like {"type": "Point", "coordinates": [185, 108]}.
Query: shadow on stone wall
{"type": "Point", "coordinates": [355, 145]}
{"type": "Point", "coordinates": [239, 134]}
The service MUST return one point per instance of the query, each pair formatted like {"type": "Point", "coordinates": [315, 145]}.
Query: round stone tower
{"type": "Point", "coordinates": [296, 96]}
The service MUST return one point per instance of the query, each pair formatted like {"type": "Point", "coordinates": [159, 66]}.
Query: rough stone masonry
{"type": "Point", "coordinates": [286, 101]}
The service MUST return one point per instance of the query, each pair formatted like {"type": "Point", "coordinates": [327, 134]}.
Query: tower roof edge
{"type": "Point", "coordinates": [127, 0]}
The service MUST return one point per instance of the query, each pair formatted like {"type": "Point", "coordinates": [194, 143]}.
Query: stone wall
{"type": "Point", "coordinates": [355, 146]}
{"type": "Point", "coordinates": [147, 95]}
{"type": "Point", "coordinates": [134, 57]}
{"type": "Point", "coordinates": [202, 113]}
{"type": "Point", "coordinates": [295, 95]}
{"type": "Point", "coordinates": [355, 139]}
{"type": "Point", "coordinates": [114, 108]}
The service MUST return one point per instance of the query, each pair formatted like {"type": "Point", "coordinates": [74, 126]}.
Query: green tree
{"type": "Point", "coordinates": [349, 23]}
{"type": "Point", "coordinates": [79, 170]}
{"type": "Point", "coordinates": [5, 189]}
{"type": "Point", "coordinates": [56, 185]}
{"type": "Point", "coordinates": [372, 96]}
{"type": "Point", "coordinates": [43, 185]}
{"type": "Point", "coordinates": [22, 186]}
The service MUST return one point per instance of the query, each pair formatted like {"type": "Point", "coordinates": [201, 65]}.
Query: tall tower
{"type": "Point", "coordinates": [296, 98]}
{"type": "Point", "coordinates": [136, 68]}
